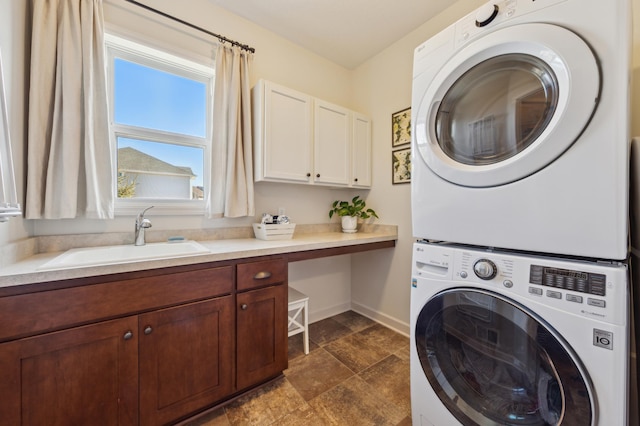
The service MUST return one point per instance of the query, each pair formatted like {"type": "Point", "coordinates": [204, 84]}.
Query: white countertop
{"type": "Point", "coordinates": [26, 271]}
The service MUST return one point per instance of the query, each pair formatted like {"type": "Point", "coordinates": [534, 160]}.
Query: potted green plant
{"type": "Point", "coordinates": [350, 212]}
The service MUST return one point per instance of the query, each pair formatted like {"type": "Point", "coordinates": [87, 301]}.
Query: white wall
{"type": "Point", "coordinates": [382, 86]}
{"type": "Point", "coordinates": [13, 50]}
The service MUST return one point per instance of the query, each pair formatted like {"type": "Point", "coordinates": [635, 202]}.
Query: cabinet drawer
{"type": "Point", "coordinates": [33, 313]}
{"type": "Point", "coordinates": [260, 274]}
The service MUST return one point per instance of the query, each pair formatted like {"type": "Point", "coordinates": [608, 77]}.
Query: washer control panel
{"type": "Point", "coordinates": [566, 279]}
{"type": "Point", "coordinates": [589, 289]}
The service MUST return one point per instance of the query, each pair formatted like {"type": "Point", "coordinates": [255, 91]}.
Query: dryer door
{"type": "Point", "coordinates": [493, 362]}
{"type": "Point", "coordinates": [507, 105]}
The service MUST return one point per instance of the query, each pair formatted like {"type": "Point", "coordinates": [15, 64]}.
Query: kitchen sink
{"type": "Point", "coordinates": [94, 256]}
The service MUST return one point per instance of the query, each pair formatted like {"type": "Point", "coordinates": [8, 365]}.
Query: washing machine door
{"type": "Point", "coordinates": [507, 105]}
{"type": "Point", "coordinates": [493, 362]}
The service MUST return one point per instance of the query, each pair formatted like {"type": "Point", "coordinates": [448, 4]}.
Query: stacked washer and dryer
{"type": "Point", "coordinates": [520, 290]}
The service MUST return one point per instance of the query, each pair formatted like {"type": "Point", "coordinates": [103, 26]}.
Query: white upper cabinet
{"type": "Point", "coordinates": [283, 137]}
{"type": "Point", "coordinates": [332, 144]}
{"type": "Point", "coordinates": [361, 151]}
{"type": "Point", "coordinates": [301, 139]}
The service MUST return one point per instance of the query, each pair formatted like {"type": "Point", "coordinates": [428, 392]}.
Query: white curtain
{"type": "Point", "coordinates": [231, 187]}
{"type": "Point", "coordinates": [70, 169]}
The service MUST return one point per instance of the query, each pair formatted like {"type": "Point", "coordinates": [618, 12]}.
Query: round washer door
{"type": "Point", "coordinates": [494, 362]}
{"type": "Point", "coordinates": [507, 105]}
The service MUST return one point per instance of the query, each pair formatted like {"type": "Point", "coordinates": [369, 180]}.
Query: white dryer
{"type": "Point", "coordinates": [520, 125]}
{"type": "Point", "coordinates": [500, 338]}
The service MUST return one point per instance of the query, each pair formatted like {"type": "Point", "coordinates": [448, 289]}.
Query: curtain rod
{"type": "Point", "coordinates": [195, 27]}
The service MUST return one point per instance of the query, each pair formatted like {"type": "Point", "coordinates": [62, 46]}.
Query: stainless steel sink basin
{"type": "Point", "coordinates": [94, 256]}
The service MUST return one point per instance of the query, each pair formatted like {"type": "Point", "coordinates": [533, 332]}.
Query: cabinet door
{"type": "Point", "coordinates": [261, 334]}
{"type": "Point", "coordinates": [186, 359]}
{"type": "Point", "coordinates": [332, 144]}
{"type": "Point", "coordinates": [284, 138]}
{"type": "Point", "coordinates": [361, 152]}
{"type": "Point", "coordinates": [82, 376]}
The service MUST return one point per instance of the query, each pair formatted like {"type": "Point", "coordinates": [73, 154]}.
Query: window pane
{"type": "Point", "coordinates": [154, 99]}
{"type": "Point", "coordinates": [159, 170]}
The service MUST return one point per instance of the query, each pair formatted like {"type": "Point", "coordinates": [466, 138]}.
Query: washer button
{"type": "Point", "coordinates": [507, 283]}
{"type": "Point", "coordinates": [535, 290]}
{"type": "Point", "coordinates": [574, 298]}
{"type": "Point", "coordinates": [463, 274]}
{"type": "Point", "coordinates": [554, 294]}
{"type": "Point", "coordinates": [596, 302]}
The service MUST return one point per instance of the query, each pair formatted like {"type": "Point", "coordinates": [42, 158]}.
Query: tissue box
{"type": "Point", "coordinates": [274, 231]}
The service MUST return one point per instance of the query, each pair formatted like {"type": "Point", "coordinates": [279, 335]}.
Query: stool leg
{"type": "Point", "coordinates": [305, 333]}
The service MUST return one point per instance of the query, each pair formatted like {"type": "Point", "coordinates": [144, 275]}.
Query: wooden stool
{"type": "Point", "coordinates": [299, 316]}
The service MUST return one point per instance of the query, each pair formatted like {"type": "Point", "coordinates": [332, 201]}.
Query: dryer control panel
{"type": "Point", "coordinates": [493, 13]}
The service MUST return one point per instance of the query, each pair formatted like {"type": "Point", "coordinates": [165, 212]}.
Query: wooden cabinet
{"type": "Point", "coordinates": [186, 359]}
{"type": "Point", "coordinates": [147, 348]}
{"type": "Point", "coordinates": [82, 376]}
{"type": "Point", "coordinates": [261, 317]}
{"type": "Point", "coordinates": [301, 139]}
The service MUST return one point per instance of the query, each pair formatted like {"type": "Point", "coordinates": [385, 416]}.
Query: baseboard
{"type": "Point", "coordinates": [315, 316]}
{"type": "Point", "coordinates": [384, 319]}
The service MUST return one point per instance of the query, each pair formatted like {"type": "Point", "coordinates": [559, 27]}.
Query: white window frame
{"type": "Point", "coordinates": [121, 48]}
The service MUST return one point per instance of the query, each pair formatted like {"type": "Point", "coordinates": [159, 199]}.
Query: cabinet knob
{"type": "Point", "coordinates": [355, 180]}
{"type": "Point", "coordinates": [318, 175]}
{"type": "Point", "coordinates": [308, 174]}
{"type": "Point", "coordinates": [128, 335]}
{"type": "Point", "coordinates": [148, 330]}
{"type": "Point", "coordinates": [243, 306]}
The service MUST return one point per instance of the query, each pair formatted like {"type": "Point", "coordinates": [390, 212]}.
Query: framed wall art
{"type": "Point", "coordinates": [401, 166]}
{"type": "Point", "coordinates": [401, 128]}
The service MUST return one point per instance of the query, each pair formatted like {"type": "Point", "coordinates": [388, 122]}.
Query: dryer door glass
{"type": "Point", "coordinates": [493, 362]}
{"type": "Point", "coordinates": [496, 109]}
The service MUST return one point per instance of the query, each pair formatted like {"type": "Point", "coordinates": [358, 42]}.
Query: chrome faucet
{"type": "Point", "coordinates": [141, 224]}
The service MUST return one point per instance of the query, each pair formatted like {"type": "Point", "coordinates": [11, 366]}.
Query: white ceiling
{"type": "Point", "coordinates": [347, 32]}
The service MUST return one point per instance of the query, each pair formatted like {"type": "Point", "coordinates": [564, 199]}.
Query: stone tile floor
{"type": "Point", "coordinates": [356, 373]}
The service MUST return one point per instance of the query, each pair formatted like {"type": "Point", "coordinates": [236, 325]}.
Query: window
{"type": "Point", "coordinates": [160, 125]}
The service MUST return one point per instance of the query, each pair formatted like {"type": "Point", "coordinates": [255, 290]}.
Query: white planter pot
{"type": "Point", "coordinates": [349, 224]}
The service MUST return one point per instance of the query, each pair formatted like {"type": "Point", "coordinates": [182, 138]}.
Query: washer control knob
{"type": "Point", "coordinates": [486, 14]}
{"type": "Point", "coordinates": [485, 269]}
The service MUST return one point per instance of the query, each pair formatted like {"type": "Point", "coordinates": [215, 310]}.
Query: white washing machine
{"type": "Point", "coordinates": [520, 124]}
{"type": "Point", "coordinates": [502, 338]}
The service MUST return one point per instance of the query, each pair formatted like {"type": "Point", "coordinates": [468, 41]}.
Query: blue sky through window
{"type": "Point", "coordinates": [155, 99]}
{"type": "Point", "coordinates": [147, 97]}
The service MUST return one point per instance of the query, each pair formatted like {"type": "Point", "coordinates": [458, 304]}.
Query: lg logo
{"type": "Point", "coordinates": [603, 339]}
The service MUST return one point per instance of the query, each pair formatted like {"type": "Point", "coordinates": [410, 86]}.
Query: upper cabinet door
{"type": "Point", "coordinates": [361, 151]}
{"type": "Point", "coordinates": [283, 133]}
{"type": "Point", "coordinates": [332, 143]}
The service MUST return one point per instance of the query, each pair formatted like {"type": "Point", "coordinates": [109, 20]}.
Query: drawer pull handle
{"type": "Point", "coordinates": [128, 335]}
{"type": "Point", "coordinates": [148, 330]}
{"type": "Point", "coordinates": [263, 275]}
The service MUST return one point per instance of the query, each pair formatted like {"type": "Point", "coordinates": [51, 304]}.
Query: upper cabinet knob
{"type": "Point", "coordinates": [486, 14]}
